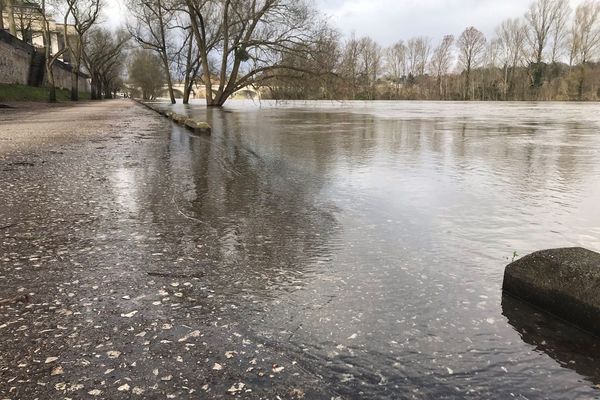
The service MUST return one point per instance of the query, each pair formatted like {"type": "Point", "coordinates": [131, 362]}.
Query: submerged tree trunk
{"type": "Point", "coordinates": [216, 99]}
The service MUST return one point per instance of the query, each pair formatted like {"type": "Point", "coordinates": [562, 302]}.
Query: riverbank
{"type": "Point", "coordinates": [107, 289]}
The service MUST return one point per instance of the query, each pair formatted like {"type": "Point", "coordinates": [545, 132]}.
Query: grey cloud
{"type": "Point", "coordinates": [390, 20]}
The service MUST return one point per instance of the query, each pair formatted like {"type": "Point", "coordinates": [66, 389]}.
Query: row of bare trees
{"type": "Point", "coordinates": [88, 48]}
{"type": "Point", "coordinates": [227, 45]}
{"type": "Point", "coordinates": [284, 46]}
{"type": "Point", "coordinates": [287, 47]}
{"type": "Point", "coordinates": [97, 51]}
{"type": "Point", "coordinates": [549, 53]}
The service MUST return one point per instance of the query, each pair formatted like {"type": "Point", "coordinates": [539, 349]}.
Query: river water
{"type": "Point", "coordinates": [367, 241]}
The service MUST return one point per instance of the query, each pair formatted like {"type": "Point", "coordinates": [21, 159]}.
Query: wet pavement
{"type": "Point", "coordinates": [104, 297]}
{"type": "Point", "coordinates": [302, 251]}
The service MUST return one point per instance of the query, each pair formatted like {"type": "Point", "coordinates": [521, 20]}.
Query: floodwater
{"type": "Point", "coordinates": [315, 250]}
{"type": "Point", "coordinates": [367, 241]}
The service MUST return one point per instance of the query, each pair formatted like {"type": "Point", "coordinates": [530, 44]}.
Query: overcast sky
{"type": "Point", "coordinates": [390, 20]}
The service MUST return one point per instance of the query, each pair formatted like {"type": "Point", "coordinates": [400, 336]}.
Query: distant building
{"type": "Point", "coordinates": [28, 26]}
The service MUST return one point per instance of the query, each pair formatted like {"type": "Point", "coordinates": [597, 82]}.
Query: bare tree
{"type": "Point", "coordinates": [471, 46]}
{"type": "Point", "coordinates": [248, 40]}
{"type": "Point", "coordinates": [84, 14]}
{"type": "Point", "coordinates": [490, 73]}
{"type": "Point", "coordinates": [418, 50]}
{"type": "Point", "coordinates": [298, 84]}
{"type": "Point", "coordinates": [395, 59]}
{"type": "Point", "coordinates": [369, 65]}
{"type": "Point", "coordinates": [152, 19]}
{"type": "Point", "coordinates": [559, 31]}
{"type": "Point", "coordinates": [50, 58]}
{"type": "Point", "coordinates": [103, 55]}
{"type": "Point", "coordinates": [542, 18]}
{"type": "Point", "coordinates": [192, 67]}
{"type": "Point", "coordinates": [586, 31]}
{"type": "Point", "coordinates": [349, 67]}
{"type": "Point", "coordinates": [585, 37]}
{"type": "Point", "coordinates": [512, 34]}
{"type": "Point", "coordinates": [441, 61]}
{"type": "Point", "coordinates": [324, 56]}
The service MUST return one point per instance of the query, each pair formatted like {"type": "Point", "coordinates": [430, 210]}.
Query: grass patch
{"type": "Point", "coordinates": [10, 93]}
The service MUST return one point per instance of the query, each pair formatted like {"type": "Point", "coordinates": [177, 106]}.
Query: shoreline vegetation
{"type": "Point", "coordinates": [548, 53]}
{"type": "Point", "coordinates": [22, 93]}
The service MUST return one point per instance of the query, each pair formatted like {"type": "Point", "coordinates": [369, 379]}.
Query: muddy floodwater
{"type": "Point", "coordinates": [375, 237]}
{"type": "Point", "coordinates": [317, 250]}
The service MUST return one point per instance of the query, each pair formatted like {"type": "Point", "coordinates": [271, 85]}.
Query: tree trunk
{"type": "Point", "coordinates": [50, 74]}
{"type": "Point", "coordinates": [580, 84]}
{"type": "Point", "coordinates": [99, 88]}
{"type": "Point", "coordinates": [74, 86]}
{"type": "Point", "coordinates": [93, 93]}
{"type": "Point", "coordinates": [52, 94]}
{"type": "Point", "coordinates": [200, 40]}
{"type": "Point", "coordinates": [208, 95]}
{"type": "Point", "coordinates": [168, 75]}
{"type": "Point", "coordinates": [75, 81]}
{"type": "Point", "coordinates": [75, 67]}
{"type": "Point", "coordinates": [187, 90]}
{"type": "Point", "coordinates": [467, 83]}
{"type": "Point", "coordinates": [187, 87]}
{"type": "Point", "coordinates": [107, 89]}
{"type": "Point", "coordinates": [219, 99]}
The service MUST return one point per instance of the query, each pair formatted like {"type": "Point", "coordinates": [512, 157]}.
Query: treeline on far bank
{"type": "Point", "coordinates": [549, 53]}
{"type": "Point", "coordinates": [560, 82]}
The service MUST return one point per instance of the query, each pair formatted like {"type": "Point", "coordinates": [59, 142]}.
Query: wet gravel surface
{"type": "Point", "coordinates": [99, 299]}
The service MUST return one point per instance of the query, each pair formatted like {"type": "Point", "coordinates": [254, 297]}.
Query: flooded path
{"type": "Point", "coordinates": [304, 250]}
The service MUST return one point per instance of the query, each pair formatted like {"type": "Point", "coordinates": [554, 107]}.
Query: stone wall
{"type": "Point", "coordinates": [15, 59]}
{"type": "Point", "coordinates": [62, 77]}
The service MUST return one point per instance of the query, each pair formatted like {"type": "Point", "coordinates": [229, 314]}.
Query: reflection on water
{"type": "Point", "coordinates": [569, 346]}
{"type": "Point", "coordinates": [368, 240]}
